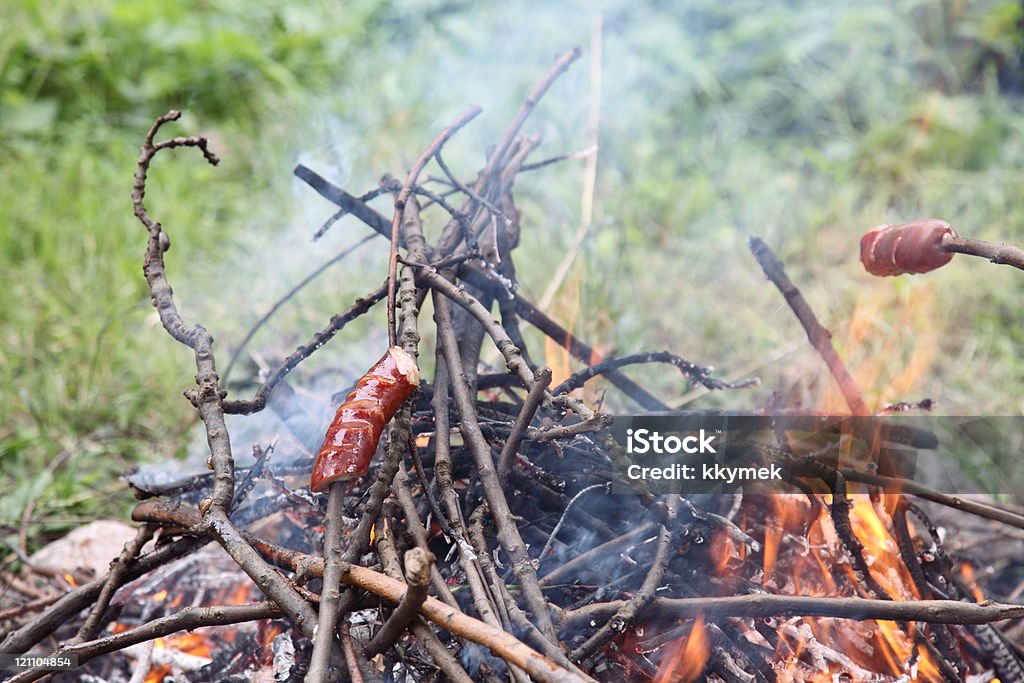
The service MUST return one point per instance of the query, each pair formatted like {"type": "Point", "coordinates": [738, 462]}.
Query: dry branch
{"type": "Point", "coordinates": [187, 619]}
{"type": "Point", "coordinates": [765, 605]}
{"type": "Point", "coordinates": [400, 201]}
{"type": "Point", "coordinates": [417, 575]}
{"type": "Point", "coordinates": [207, 398]}
{"type": "Point", "coordinates": [817, 334]}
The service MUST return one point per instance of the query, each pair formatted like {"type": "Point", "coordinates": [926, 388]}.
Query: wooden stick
{"type": "Point", "coordinates": [1005, 254]}
{"type": "Point", "coordinates": [417, 575]}
{"type": "Point", "coordinates": [403, 197]}
{"type": "Point", "coordinates": [501, 643]}
{"type": "Point", "coordinates": [817, 334]}
{"type": "Point", "coordinates": [764, 605]}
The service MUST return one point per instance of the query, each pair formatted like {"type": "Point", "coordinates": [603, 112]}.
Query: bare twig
{"type": "Point", "coordinates": [584, 352]}
{"type": "Point", "coordinates": [489, 180]}
{"type": "Point", "coordinates": [541, 381]}
{"type": "Point", "coordinates": [974, 507]}
{"type": "Point", "coordinates": [505, 603]}
{"type": "Point", "coordinates": [768, 605]}
{"type": "Point", "coordinates": [349, 203]}
{"type": "Point", "coordinates": [207, 398]}
{"type": "Point", "coordinates": [118, 569]}
{"type": "Point", "coordinates": [187, 619]}
{"type": "Point", "coordinates": [336, 324]}
{"type": "Point", "coordinates": [591, 557]}
{"type": "Point", "coordinates": [403, 197]}
{"type": "Point", "coordinates": [696, 373]}
{"type": "Point", "coordinates": [568, 156]}
{"type": "Point", "coordinates": [508, 534]}
{"type": "Point", "coordinates": [565, 514]}
{"type": "Point", "coordinates": [465, 190]}
{"type": "Point", "coordinates": [482, 601]}
{"type": "Point", "coordinates": [560, 66]}
{"type": "Point", "coordinates": [20, 640]}
{"type": "Point", "coordinates": [589, 184]}
{"type": "Point", "coordinates": [351, 658]}
{"type": "Point", "coordinates": [414, 525]}
{"type": "Point", "coordinates": [286, 298]}
{"type": "Point", "coordinates": [516, 615]}
{"type": "Point", "coordinates": [817, 334]}
{"type": "Point", "coordinates": [625, 616]}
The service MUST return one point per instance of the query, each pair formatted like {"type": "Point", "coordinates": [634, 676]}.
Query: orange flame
{"type": "Point", "coordinates": [685, 660]}
{"type": "Point", "coordinates": [804, 554]}
{"type": "Point", "coordinates": [880, 356]}
{"type": "Point", "coordinates": [971, 579]}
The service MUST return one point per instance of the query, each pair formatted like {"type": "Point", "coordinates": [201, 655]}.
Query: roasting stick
{"type": "Point", "coordinates": [402, 374]}
{"type": "Point", "coordinates": [996, 253]}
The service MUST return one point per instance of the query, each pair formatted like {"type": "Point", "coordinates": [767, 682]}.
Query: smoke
{"type": "Point", "coordinates": [714, 123]}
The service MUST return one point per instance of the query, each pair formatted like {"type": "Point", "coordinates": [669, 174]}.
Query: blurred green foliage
{"type": "Point", "coordinates": [803, 122]}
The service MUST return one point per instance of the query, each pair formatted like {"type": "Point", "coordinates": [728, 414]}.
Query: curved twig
{"type": "Point", "coordinates": [287, 297]}
{"type": "Point", "coordinates": [207, 397]}
{"type": "Point", "coordinates": [336, 324]}
{"type": "Point", "coordinates": [699, 374]}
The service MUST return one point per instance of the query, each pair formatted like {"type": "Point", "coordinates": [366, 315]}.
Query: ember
{"type": "Point", "coordinates": [499, 536]}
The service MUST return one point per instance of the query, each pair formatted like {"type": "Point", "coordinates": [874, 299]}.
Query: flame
{"type": "Point", "coordinates": [194, 644]}
{"type": "Point", "coordinates": [241, 594]}
{"type": "Point", "coordinates": [804, 554]}
{"type": "Point", "coordinates": [685, 659]}
{"type": "Point", "coordinates": [891, 362]}
{"type": "Point", "coordinates": [971, 579]}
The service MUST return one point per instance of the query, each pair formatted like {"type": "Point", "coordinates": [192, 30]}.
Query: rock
{"type": "Point", "coordinates": [89, 548]}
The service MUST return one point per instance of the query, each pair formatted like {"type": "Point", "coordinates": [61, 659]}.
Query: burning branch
{"type": "Point", "coordinates": [765, 605]}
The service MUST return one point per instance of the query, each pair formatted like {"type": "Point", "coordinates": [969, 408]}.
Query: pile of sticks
{"type": "Point", "coordinates": [523, 563]}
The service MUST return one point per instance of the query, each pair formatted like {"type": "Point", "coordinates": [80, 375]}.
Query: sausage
{"type": "Point", "coordinates": [914, 247]}
{"type": "Point", "coordinates": [352, 438]}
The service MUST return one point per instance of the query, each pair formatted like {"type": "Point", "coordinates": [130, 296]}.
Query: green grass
{"type": "Point", "coordinates": [802, 123]}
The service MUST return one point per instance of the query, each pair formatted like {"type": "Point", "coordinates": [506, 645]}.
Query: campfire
{"type": "Point", "coordinates": [463, 523]}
